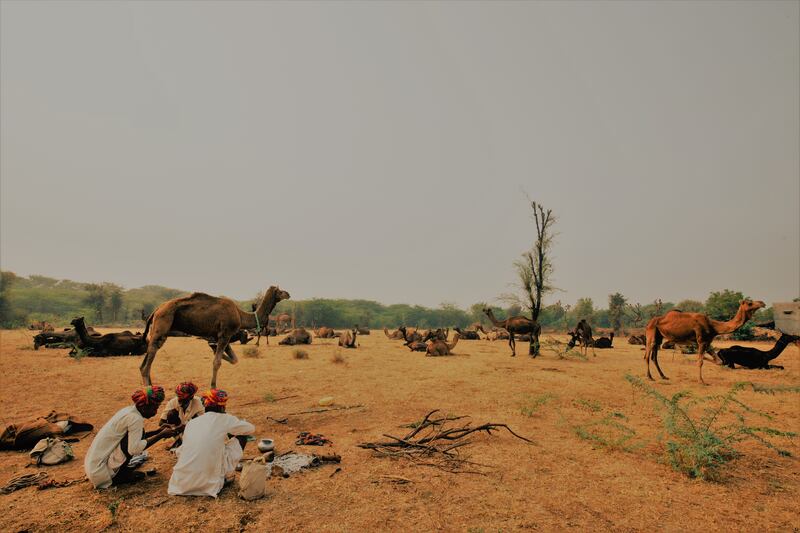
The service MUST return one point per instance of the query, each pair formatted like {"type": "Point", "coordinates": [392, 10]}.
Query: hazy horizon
{"type": "Point", "coordinates": [380, 151]}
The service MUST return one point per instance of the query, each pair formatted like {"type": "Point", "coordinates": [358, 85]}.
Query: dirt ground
{"type": "Point", "coordinates": [560, 482]}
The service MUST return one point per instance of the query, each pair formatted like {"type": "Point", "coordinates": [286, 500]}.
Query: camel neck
{"type": "Point", "coordinates": [731, 325]}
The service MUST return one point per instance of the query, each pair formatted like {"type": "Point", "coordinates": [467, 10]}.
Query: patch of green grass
{"type": "Point", "coordinates": [269, 397]}
{"type": "Point", "coordinates": [778, 389]}
{"type": "Point", "coordinates": [702, 444]}
{"type": "Point", "coordinates": [589, 405]}
{"type": "Point", "coordinates": [609, 433]}
{"type": "Point", "coordinates": [533, 403]}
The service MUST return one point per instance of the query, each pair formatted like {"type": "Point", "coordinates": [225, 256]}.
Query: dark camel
{"type": "Point", "coordinates": [205, 316]}
{"type": "Point", "coordinates": [637, 339]}
{"type": "Point", "coordinates": [360, 330]}
{"type": "Point", "coordinates": [516, 325]}
{"type": "Point", "coordinates": [468, 334]}
{"type": "Point", "coordinates": [605, 342]}
{"type": "Point", "coordinates": [582, 334]}
{"type": "Point", "coordinates": [125, 343]}
{"type": "Point", "coordinates": [753, 358]}
{"type": "Point", "coordinates": [680, 327]}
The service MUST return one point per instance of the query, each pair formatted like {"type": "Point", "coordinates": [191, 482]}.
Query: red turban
{"type": "Point", "coordinates": [147, 395]}
{"type": "Point", "coordinates": [185, 390]}
{"type": "Point", "coordinates": [215, 397]}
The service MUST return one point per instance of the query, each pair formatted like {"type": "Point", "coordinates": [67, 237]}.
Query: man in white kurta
{"type": "Point", "coordinates": [210, 449]}
{"type": "Point", "coordinates": [106, 456]}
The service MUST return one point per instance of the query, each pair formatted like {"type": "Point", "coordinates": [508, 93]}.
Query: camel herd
{"type": "Point", "coordinates": [221, 322]}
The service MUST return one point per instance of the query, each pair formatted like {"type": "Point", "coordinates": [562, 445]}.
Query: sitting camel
{"type": "Point", "coordinates": [297, 336]}
{"type": "Point", "coordinates": [637, 339]}
{"type": "Point", "coordinates": [436, 334]}
{"type": "Point", "coordinates": [205, 316]}
{"type": "Point", "coordinates": [439, 347]}
{"type": "Point", "coordinates": [604, 342]}
{"type": "Point", "coordinates": [125, 343]}
{"type": "Point", "coordinates": [468, 334]}
{"type": "Point", "coordinates": [325, 333]}
{"type": "Point", "coordinates": [582, 334]}
{"type": "Point", "coordinates": [360, 330]}
{"type": "Point", "coordinates": [413, 340]}
{"type": "Point", "coordinates": [754, 358]}
{"type": "Point", "coordinates": [395, 335]}
{"type": "Point", "coordinates": [681, 327]}
{"type": "Point", "coordinates": [517, 325]}
{"type": "Point", "coordinates": [348, 339]}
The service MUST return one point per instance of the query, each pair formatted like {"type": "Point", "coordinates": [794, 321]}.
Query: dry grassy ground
{"type": "Point", "coordinates": [559, 482]}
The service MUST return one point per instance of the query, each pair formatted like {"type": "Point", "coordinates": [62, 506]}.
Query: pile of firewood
{"type": "Point", "coordinates": [438, 442]}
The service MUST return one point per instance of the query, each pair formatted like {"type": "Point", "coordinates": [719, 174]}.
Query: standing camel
{"type": "Point", "coordinates": [680, 327]}
{"type": "Point", "coordinates": [514, 325]}
{"type": "Point", "coordinates": [205, 316]}
{"type": "Point", "coordinates": [582, 334]}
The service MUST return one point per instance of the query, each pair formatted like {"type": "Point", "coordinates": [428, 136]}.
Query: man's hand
{"type": "Point", "coordinates": [167, 431]}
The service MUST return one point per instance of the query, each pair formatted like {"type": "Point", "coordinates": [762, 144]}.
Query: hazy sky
{"type": "Point", "coordinates": [379, 150]}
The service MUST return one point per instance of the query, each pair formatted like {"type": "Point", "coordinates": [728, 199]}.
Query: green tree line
{"type": "Point", "coordinates": [26, 299]}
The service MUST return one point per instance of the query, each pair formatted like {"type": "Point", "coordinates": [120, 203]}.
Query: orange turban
{"type": "Point", "coordinates": [147, 395]}
{"type": "Point", "coordinates": [215, 397]}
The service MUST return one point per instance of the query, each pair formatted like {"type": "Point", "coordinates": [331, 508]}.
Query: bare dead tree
{"type": "Point", "coordinates": [535, 269]}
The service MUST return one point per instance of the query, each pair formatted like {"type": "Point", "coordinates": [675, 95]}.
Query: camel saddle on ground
{"type": "Point", "coordinates": [25, 435]}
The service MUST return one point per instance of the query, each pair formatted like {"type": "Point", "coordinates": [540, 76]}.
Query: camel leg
{"type": "Point", "coordinates": [156, 342]}
{"type": "Point", "coordinates": [655, 361]}
{"type": "Point", "coordinates": [221, 346]}
{"type": "Point", "coordinates": [512, 343]}
{"type": "Point", "coordinates": [701, 348]}
{"type": "Point", "coordinates": [230, 356]}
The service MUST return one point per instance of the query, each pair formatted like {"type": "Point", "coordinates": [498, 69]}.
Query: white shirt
{"type": "Point", "coordinates": [194, 408]}
{"type": "Point", "coordinates": [126, 421]}
{"type": "Point", "coordinates": [202, 457]}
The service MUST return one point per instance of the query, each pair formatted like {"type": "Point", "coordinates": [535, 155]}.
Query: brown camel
{"type": "Point", "coordinates": [205, 316]}
{"type": "Point", "coordinates": [297, 336]}
{"type": "Point", "coordinates": [637, 339]}
{"type": "Point", "coordinates": [682, 327]}
{"type": "Point", "coordinates": [395, 335]}
{"type": "Point", "coordinates": [439, 347]}
{"type": "Point", "coordinates": [325, 333]}
{"type": "Point", "coordinates": [413, 340]}
{"type": "Point", "coordinates": [348, 339]}
{"type": "Point", "coordinates": [436, 334]}
{"type": "Point", "coordinates": [516, 325]}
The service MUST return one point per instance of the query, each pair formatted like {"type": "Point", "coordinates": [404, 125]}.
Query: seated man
{"type": "Point", "coordinates": [123, 437]}
{"type": "Point", "coordinates": [180, 409]}
{"type": "Point", "coordinates": [208, 455]}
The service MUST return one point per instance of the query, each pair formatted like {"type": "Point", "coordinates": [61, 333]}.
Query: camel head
{"type": "Point", "coordinates": [76, 321]}
{"type": "Point", "coordinates": [751, 306]}
{"type": "Point", "coordinates": [280, 294]}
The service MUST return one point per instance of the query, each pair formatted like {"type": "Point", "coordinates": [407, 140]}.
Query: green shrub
{"type": "Point", "coordinates": [701, 445]}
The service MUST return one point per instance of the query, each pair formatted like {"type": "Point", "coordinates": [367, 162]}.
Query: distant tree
{"type": "Point", "coordinates": [96, 299]}
{"type": "Point", "coordinates": [616, 310]}
{"type": "Point", "coordinates": [723, 305]}
{"type": "Point", "coordinates": [476, 312]}
{"type": "Point", "coordinates": [691, 306]}
{"type": "Point", "coordinates": [583, 309]}
{"type": "Point", "coordinates": [535, 269]}
{"type": "Point", "coordinates": [636, 313]}
{"type": "Point", "coordinates": [115, 300]}
{"type": "Point", "coordinates": [6, 315]}
{"type": "Point", "coordinates": [514, 310]}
